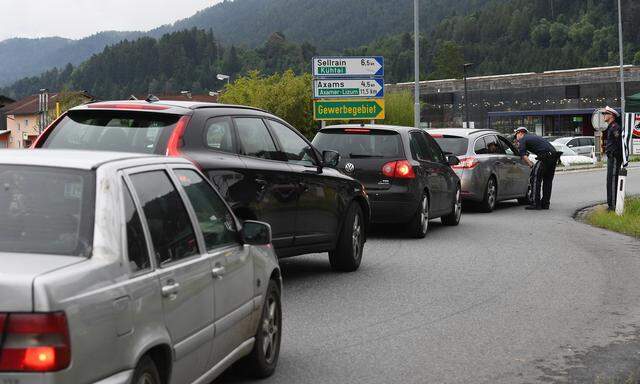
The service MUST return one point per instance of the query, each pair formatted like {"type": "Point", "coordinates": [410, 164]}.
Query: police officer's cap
{"type": "Point", "coordinates": [521, 129]}
{"type": "Point", "coordinates": [611, 111]}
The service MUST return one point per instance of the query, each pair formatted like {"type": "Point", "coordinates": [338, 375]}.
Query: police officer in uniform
{"type": "Point", "coordinates": [543, 171]}
{"type": "Point", "coordinates": [613, 148]}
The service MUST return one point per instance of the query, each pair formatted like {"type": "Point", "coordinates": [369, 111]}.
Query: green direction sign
{"type": "Point", "coordinates": [348, 109]}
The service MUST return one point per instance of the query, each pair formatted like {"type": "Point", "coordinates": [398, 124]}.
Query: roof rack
{"type": "Point", "coordinates": [152, 99]}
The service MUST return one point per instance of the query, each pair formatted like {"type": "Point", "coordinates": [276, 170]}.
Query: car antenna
{"type": "Point", "coordinates": [152, 99]}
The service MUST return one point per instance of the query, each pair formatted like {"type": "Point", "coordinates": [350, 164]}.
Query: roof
{"type": "Point", "coordinates": [459, 131]}
{"type": "Point", "coordinates": [85, 160]}
{"type": "Point", "coordinates": [381, 127]}
{"type": "Point", "coordinates": [172, 106]}
{"type": "Point", "coordinates": [203, 98]}
{"type": "Point", "coordinates": [29, 104]}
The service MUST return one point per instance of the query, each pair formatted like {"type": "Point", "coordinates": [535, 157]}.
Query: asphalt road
{"type": "Point", "coordinates": [508, 297]}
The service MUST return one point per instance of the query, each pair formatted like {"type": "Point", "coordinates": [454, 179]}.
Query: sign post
{"type": "Point", "coordinates": [348, 88]}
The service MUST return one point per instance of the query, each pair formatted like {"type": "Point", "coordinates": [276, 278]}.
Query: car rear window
{"type": "Point", "coordinates": [353, 143]}
{"type": "Point", "coordinates": [122, 131]}
{"type": "Point", "coordinates": [46, 210]}
{"type": "Point", "coordinates": [453, 144]}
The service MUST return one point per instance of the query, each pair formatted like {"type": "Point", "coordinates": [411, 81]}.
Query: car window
{"type": "Point", "coordinates": [453, 144]}
{"type": "Point", "coordinates": [433, 148]}
{"type": "Point", "coordinates": [295, 148]}
{"type": "Point", "coordinates": [480, 148]}
{"type": "Point", "coordinates": [136, 243]}
{"type": "Point", "coordinates": [493, 147]}
{"type": "Point", "coordinates": [572, 143]}
{"type": "Point", "coordinates": [418, 152]}
{"type": "Point", "coordinates": [122, 131]}
{"type": "Point", "coordinates": [219, 135]}
{"type": "Point", "coordinates": [255, 139]}
{"type": "Point", "coordinates": [46, 210]}
{"type": "Point", "coordinates": [355, 143]}
{"type": "Point", "coordinates": [171, 231]}
{"type": "Point", "coordinates": [585, 142]}
{"type": "Point", "coordinates": [507, 146]}
{"type": "Point", "coordinates": [216, 222]}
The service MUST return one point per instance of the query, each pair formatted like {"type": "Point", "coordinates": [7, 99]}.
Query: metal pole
{"type": "Point", "coordinates": [416, 49]}
{"type": "Point", "coordinates": [622, 97]}
{"type": "Point", "coordinates": [466, 97]}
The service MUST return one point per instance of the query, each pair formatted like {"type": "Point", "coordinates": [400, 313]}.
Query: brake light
{"type": "Point", "coordinates": [357, 130]}
{"type": "Point", "coordinates": [34, 342]}
{"type": "Point", "coordinates": [175, 141]}
{"type": "Point", "coordinates": [400, 169]}
{"type": "Point", "coordinates": [143, 107]}
{"type": "Point", "coordinates": [468, 162]}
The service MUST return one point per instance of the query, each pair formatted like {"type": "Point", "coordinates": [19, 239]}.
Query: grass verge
{"type": "Point", "coordinates": [629, 223]}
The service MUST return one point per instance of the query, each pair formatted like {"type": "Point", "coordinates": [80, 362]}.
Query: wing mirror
{"type": "Point", "coordinates": [453, 160]}
{"type": "Point", "coordinates": [256, 233]}
{"type": "Point", "coordinates": [330, 159]}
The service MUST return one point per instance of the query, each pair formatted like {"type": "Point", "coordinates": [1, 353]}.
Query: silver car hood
{"type": "Point", "coordinates": [17, 272]}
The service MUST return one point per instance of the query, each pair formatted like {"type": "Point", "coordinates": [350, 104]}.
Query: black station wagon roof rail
{"type": "Point", "coordinates": [157, 105]}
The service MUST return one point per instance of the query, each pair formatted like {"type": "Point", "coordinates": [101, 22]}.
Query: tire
{"type": "Point", "coordinates": [419, 225]}
{"type": "Point", "coordinates": [490, 199]}
{"type": "Point", "coordinates": [348, 253]}
{"type": "Point", "coordinates": [146, 372]}
{"type": "Point", "coordinates": [453, 218]}
{"type": "Point", "coordinates": [263, 359]}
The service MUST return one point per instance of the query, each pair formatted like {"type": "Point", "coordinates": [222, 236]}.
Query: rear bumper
{"type": "Point", "coordinates": [123, 377]}
{"type": "Point", "coordinates": [395, 205]}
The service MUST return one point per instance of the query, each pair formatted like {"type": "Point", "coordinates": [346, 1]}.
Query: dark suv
{"type": "Point", "coordinates": [263, 167]}
{"type": "Point", "coordinates": [408, 178]}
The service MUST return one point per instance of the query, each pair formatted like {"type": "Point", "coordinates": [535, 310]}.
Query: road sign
{"type": "Point", "coordinates": [342, 88]}
{"type": "Point", "coordinates": [348, 66]}
{"type": "Point", "coordinates": [348, 109]}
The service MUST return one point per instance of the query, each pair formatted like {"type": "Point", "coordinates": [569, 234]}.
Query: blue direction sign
{"type": "Point", "coordinates": [336, 66]}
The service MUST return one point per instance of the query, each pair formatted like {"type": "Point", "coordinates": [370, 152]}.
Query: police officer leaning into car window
{"type": "Point", "coordinates": [543, 171]}
{"type": "Point", "coordinates": [613, 148]}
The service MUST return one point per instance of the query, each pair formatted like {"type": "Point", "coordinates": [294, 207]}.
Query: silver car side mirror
{"type": "Point", "coordinates": [256, 233]}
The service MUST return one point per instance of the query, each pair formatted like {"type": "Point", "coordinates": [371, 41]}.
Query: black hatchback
{"type": "Point", "coordinates": [263, 167]}
{"type": "Point", "coordinates": [407, 176]}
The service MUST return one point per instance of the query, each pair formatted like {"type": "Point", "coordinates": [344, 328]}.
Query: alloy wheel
{"type": "Point", "coordinates": [356, 237]}
{"type": "Point", "coordinates": [146, 379]}
{"type": "Point", "coordinates": [424, 215]}
{"type": "Point", "coordinates": [270, 329]}
{"type": "Point", "coordinates": [458, 205]}
{"type": "Point", "coordinates": [491, 193]}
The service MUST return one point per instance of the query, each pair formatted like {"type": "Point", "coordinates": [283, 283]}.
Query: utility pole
{"type": "Point", "coordinates": [622, 97]}
{"type": "Point", "coordinates": [623, 172]}
{"type": "Point", "coordinates": [466, 93]}
{"type": "Point", "coordinates": [416, 52]}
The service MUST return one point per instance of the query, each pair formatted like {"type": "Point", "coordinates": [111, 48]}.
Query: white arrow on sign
{"type": "Point", "coordinates": [347, 88]}
{"type": "Point", "coordinates": [348, 66]}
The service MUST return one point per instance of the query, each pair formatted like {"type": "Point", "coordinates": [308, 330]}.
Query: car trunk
{"type": "Point", "coordinates": [18, 273]}
{"type": "Point", "coordinates": [363, 153]}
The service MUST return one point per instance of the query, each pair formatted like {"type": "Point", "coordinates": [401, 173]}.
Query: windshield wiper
{"type": "Point", "coordinates": [363, 156]}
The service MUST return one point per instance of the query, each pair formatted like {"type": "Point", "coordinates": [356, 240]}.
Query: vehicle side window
{"type": "Point", "coordinates": [219, 135]}
{"type": "Point", "coordinates": [216, 222]}
{"type": "Point", "coordinates": [417, 151]}
{"type": "Point", "coordinates": [255, 138]}
{"type": "Point", "coordinates": [295, 148]}
{"type": "Point", "coordinates": [507, 147]}
{"type": "Point", "coordinates": [572, 143]}
{"type": "Point", "coordinates": [493, 147]}
{"type": "Point", "coordinates": [480, 147]}
{"type": "Point", "coordinates": [136, 242]}
{"type": "Point", "coordinates": [171, 231]}
{"type": "Point", "coordinates": [433, 148]}
{"type": "Point", "coordinates": [584, 142]}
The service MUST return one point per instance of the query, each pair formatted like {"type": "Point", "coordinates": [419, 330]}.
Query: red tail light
{"type": "Point", "coordinates": [175, 141]}
{"type": "Point", "coordinates": [400, 169]}
{"type": "Point", "coordinates": [357, 130]}
{"type": "Point", "coordinates": [468, 162]}
{"type": "Point", "coordinates": [34, 342]}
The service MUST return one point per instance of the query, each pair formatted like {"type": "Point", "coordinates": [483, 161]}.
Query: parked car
{"type": "Point", "coordinates": [569, 157]}
{"type": "Point", "coordinates": [126, 268]}
{"type": "Point", "coordinates": [490, 168]}
{"type": "Point", "coordinates": [263, 167]}
{"type": "Point", "coordinates": [407, 177]}
{"type": "Point", "coordinates": [581, 145]}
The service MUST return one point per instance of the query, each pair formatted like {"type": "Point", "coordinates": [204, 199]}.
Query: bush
{"type": "Point", "coordinates": [399, 108]}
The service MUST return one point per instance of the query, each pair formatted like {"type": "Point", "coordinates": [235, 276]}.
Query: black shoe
{"type": "Point", "coordinates": [610, 209]}
{"type": "Point", "coordinates": [533, 208]}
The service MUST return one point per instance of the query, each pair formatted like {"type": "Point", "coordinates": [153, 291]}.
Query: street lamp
{"type": "Point", "coordinates": [222, 77]}
{"type": "Point", "coordinates": [416, 65]}
{"type": "Point", "coordinates": [466, 94]}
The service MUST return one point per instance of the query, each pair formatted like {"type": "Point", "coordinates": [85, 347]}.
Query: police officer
{"type": "Point", "coordinates": [613, 148]}
{"type": "Point", "coordinates": [543, 171]}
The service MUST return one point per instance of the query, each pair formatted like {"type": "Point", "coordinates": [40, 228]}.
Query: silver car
{"type": "Point", "coordinates": [124, 268]}
{"type": "Point", "coordinates": [490, 168]}
{"type": "Point", "coordinates": [581, 145]}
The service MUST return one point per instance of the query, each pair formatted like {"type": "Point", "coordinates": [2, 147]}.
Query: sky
{"type": "Point", "coordinates": [80, 18]}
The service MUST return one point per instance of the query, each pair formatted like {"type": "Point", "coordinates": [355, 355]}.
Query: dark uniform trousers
{"type": "Point", "coordinates": [614, 162]}
{"type": "Point", "coordinates": [543, 172]}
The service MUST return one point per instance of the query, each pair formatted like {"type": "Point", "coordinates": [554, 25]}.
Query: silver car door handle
{"type": "Point", "coordinates": [218, 272]}
{"type": "Point", "coordinates": [171, 289]}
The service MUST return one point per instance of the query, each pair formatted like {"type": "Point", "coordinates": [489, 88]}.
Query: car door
{"type": "Point", "coordinates": [450, 179]}
{"type": "Point", "coordinates": [518, 172]}
{"type": "Point", "coordinates": [232, 264]}
{"type": "Point", "coordinates": [269, 179]}
{"type": "Point", "coordinates": [492, 162]}
{"type": "Point", "coordinates": [317, 209]}
{"type": "Point", "coordinates": [185, 275]}
{"type": "Point", "coordinates": [432, 173]}
{"type": "Point", "coordinates": [576, 145]}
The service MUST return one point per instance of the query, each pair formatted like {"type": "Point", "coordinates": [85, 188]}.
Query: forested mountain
{"type": "Point", "coordinates": [499, 36]}
{"type": "Point", "coordinates": [28, 57]}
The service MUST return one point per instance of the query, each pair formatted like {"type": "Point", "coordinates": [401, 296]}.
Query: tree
{"type": "Point", "coordinates": [448, 62]}
{"type": "Point", "coordinates": [232, 65]}
{"type": "Point", "coordinates": [636, 58]}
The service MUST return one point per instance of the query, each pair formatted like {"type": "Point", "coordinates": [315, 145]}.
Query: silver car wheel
{"type": "Point", "coordinates": [356, 237]}
{"type": "Point", "coordinates": [424, 214]}
{"type": "Point", "coordinates": [270, 329]}
{"type": "Point", "coordinates": [458, 206]}
{"type": "Point", "coordinates": [146, 379]}
{"type": "Point", "coordinates": [491, 193]}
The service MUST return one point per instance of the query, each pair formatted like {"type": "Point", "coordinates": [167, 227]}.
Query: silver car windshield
{"type": "Point", "coordinates": [46, 210]}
